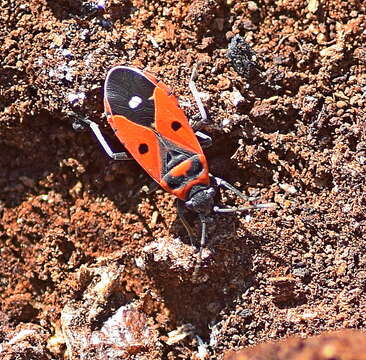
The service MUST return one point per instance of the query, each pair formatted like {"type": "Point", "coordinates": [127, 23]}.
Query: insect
{"type": "Point", "coordinates": [148, 121]}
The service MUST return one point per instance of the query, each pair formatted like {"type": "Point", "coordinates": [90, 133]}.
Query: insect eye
{"type": "Point", "coordinates": [176, 125]}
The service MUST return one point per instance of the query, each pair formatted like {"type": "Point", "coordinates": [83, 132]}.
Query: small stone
{"type": "Point", "coordinates": [224, 83]}
{"type": "Point", "coordinates": [242, 56]}
{"type": "Point", "coordinates": [179, 334]}
{"type": "Point", "coordinates": [154, 219]}
{"type": "Point", "coordinates": [236, 97]}
{"type": "Point", "coordinates": [226, 122]}
{"type": "Point", "coordinates": [283, 288]}
{"type": "Point", "coordinates": [321, 38]}
{"type": "Point", "coordinates": [313, 6]}
{"type": "Point", "coordinates": [252, 6]}
{"type": "Point", "coordinates": [341, 104]}
{"type": "Point", "coordinates": [308, 315]}
{"type": "Point", "coordinates": [301, 272]}
{"type": "Point", "coordinates": [288, 188]}
{"type": "Point", "coordinates": [246, 314]}
{"type": "Point", "coordinates": [76, 190]}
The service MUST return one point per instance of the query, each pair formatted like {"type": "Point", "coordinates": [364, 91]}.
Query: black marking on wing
{"type": "Point", "coordinates": [143, 148]}
{"type": "Point", "coordinates": [124, 83]}
{"type": "Point", "coordinates": [195, 169]}
{"type": "Point", "coordinates": [175, 182]}
{"type": "Point", "coordinates": [176, 125]}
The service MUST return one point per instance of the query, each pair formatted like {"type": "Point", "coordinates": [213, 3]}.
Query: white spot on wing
{"type": "Point", "coordinates": [134, 102]}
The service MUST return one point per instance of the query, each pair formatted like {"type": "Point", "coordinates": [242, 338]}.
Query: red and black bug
{"type": "Point", "coordinates": [148, 121]}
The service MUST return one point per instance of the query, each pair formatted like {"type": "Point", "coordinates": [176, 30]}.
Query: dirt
{"type": "Point", "coordinates": [344, 344]}
{"type": "Point", "coordinates": [86, 253]}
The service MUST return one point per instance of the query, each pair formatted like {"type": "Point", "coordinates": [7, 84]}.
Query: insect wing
{"type": "Point", "coordinates": [129, 104]}
{"type": "Point", "coordinates": [147, 119]}
{"type": "Point", "coordinates": [172, 123]}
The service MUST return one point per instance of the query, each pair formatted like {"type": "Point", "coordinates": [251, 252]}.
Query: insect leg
{"type": "Point", "coordinates": [114, 155]}
{"type": "Point", "coordinates": [197, 97]}
{"type": "Point", "coordinates": [222, 183]}
{"type": "Point", "coordinates": [202, 244]}
{"type": "Point", "coordinates": [225, 184]}
{"type": "Point", "coordinates": [216, 209]}
{"type": "Point", "coordinates": [180, 209]}
{"type": "Point", "coordinates": [204, 140]}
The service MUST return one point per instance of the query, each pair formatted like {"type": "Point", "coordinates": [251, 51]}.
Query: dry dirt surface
{"type": "Point", "coordinates": [343, 345]}
{"type": "Point", "coordinates": [92, 267]}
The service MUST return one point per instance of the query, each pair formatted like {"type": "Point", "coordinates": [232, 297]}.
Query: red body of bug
{"type": "Point", "coordinates": [148, 121]}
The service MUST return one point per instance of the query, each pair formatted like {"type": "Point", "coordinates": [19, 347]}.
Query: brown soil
{"type": "Point", "coordinates": [342, 345]}
{"type": "Point", "coordinates": [84, 251]}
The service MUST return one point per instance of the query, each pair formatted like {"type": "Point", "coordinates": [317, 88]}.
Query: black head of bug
{"type": "Point", "coordinates": [201, 199]}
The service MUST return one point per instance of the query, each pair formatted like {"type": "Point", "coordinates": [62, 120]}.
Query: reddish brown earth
{"type": "Point", "coordinates": [341, 345]}
{"type": "Point", "coordinates": [92, 265]}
